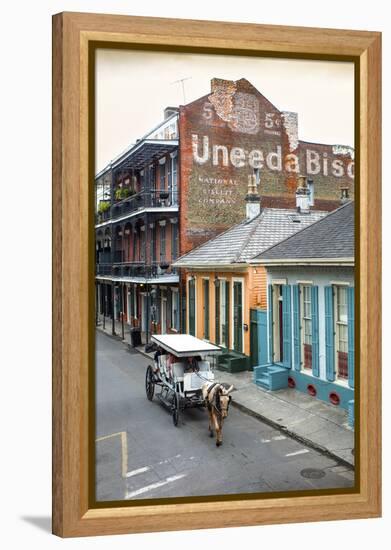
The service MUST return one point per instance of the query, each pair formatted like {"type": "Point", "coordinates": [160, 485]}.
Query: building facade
{"type": "Point", "coordinates": [310, 313]}
{"type": "Point", "coordinates": [137, 235]}
{"type": "Point", "coordinates": [234, 131]}
{"type": "Point", "coordinates": [183, 184]}
{"type": "Point", "coordinates": [226, 296]}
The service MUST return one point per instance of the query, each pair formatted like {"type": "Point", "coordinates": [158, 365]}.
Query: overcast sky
{"type": "Point", "coordinates": [133, 88]}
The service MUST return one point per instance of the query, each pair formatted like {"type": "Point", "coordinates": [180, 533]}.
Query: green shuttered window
{"type": "Point", "coordinates": [206, 308]}
{"type": "Point", "coordinates": [192, 311]}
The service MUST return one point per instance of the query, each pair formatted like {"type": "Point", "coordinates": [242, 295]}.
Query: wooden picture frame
{"type": "Point", "coordinates": [74, 37]}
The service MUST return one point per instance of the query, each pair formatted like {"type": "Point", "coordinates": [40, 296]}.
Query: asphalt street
{"type": "Point", "coordinates": [140, 454]}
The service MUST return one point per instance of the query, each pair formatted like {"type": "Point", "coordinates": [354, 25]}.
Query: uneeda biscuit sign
{"type": "Point", "coordinates": [235, 131]}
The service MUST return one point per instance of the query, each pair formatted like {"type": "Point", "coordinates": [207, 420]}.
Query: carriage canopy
{"type": "Point", "coordinates": [185, 345]}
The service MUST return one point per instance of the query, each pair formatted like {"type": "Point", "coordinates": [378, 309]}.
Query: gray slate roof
{"type": "Point", "coordinates": [243, 241]}
{"type": "Point", "coordinates": [331, 237]}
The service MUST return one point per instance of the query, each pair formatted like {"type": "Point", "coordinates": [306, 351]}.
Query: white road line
{"type": "Point", "coordinates": [303, 451]}
{"type": "Point", "coordinates": [153, 486]}
{"type": "Point", "coordinates": [278, 437]}
{"type": "Point", "coordinates": [138, 471]}
{"type": "Point", "coordinates": [265, 440]}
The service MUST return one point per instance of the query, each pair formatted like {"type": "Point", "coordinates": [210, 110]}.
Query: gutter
{"type": "Point", "coordinates": [207, 266]}
{"type": "Point", "coordinates": [348, 262]}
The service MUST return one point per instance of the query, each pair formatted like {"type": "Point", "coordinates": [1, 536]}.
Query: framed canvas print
{"type": "Point", "coordinates": [216, 298]}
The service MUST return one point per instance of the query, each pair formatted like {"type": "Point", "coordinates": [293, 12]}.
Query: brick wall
{"type": "Point", "coordinates": [229, 132]}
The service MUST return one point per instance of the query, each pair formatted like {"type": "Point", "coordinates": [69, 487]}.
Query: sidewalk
{"type": "Point", "coordinates": [315, 423]}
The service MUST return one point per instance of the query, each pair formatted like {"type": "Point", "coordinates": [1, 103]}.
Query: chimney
{"type": "Point", "coordinates": [253, 200]}
{"type": "Point", "coordinates": [344, 198]}
{"type": "Point", "coordinates": [169, 111]}
{"type": "Point", "coordinates": [303, 196]}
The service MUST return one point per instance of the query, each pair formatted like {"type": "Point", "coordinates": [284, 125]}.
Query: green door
{"type": "Point", "coordinates": [192, 307]}
{"type": "Point", "coordinates": [238, 317]}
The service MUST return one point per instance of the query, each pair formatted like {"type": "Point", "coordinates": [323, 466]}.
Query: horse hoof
{"type": "Point", "coordinates": [218, 443]}
{"type": "Point", "coordinates": [210, 434]}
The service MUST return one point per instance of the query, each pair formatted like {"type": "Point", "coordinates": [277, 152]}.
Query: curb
{"type": "Point", "coordinates": [116, 337]}
{"type": "Point", "coordinates": [293, 435]}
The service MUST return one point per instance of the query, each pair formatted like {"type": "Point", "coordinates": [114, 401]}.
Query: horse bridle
{"type": "Point", "coordinates": [217, 406]}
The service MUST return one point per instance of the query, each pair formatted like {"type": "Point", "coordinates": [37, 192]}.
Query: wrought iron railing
{"type": "Point", "coordinates": [138, 201]}
{"type": "Point", "coordinates": [136, 269]}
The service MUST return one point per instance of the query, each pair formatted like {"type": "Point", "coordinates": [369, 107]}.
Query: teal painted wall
{"type": "Point", "coordinates": [323, 388]}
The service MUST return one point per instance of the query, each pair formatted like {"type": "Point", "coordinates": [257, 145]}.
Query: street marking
{"type": "Point", "coordinates": [138, 471]}
{"type": "Point", "coordinates": [153, 486]}
{"type": "Point", "coordinates": [303, 451]}
{"type": "Point", "coordinates": [265, 440]}
{"type": "Point", "coordinates": [278, 437]}
{"type": "Point", "coordinates": [124, 449]}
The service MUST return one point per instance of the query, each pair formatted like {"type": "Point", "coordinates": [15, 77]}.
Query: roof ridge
{"type": "Point", "coordinates": [247, 239]}
{"type": "Point", "coordinates": [311, 225]}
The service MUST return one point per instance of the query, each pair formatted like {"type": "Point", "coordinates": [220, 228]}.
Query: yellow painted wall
{"type": "Point", "coordinates": [254, 296]}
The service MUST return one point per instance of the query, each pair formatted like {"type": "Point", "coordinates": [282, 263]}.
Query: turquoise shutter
{"type": "Point", "coordinates": [286, 326]}
{"type": "Point", "coordinates": [270, 313]}
{"type": "Point", "coordinates": [351, 336]}
{"type": "Point", "coordinates": [315, 330]}
{"type": "Point", "coordinates": [296, 326]}
{"type": "Point", "coordinates": [330, 344]}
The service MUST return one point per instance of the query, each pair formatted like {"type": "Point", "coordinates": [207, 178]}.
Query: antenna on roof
{"type": "Point", "coordinates": [181, 81]}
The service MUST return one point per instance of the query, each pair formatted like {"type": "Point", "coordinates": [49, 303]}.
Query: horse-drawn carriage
{"type": "Point", "coordinates": [182, 366]}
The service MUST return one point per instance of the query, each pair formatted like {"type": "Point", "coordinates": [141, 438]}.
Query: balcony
{"type": "Point", "coordinates": [139, 271]}
{"type": "Point", "coordinates": [142, 270]}
{"type": "Point", "coordinates": [137, 202]}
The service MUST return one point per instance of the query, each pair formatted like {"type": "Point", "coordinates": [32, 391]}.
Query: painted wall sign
{"type": "Point", "coordinates": [227, 135]}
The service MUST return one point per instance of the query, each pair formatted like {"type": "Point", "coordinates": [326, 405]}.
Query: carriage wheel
{"type": "Point", "coordinates": [175, 409]}
{"type": "Point", "coordinates": [149, 383]}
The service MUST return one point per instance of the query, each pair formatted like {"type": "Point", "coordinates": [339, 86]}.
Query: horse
{"type": "Point", "coordinates": [217, 399]}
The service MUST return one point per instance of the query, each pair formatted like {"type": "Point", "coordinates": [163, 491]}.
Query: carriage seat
{"type": "Point", "coordinates": [203, 365]}
{"type": "Point", "coordinates": [178, 371]}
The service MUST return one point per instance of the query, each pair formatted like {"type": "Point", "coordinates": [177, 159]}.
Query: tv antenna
{"type": "Point", "coordinates": [181, 81]}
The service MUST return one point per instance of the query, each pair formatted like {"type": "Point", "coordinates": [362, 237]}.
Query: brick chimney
{"type": "Point", "coordinates": [253, 200]}
{"type": "Point", "coordinates": [344, 197]}
{"type": "Point", "coordinates": [303, 196]}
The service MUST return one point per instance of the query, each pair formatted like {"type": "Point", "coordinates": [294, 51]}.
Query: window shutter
{"type": "Point", "coordinates": [296, 327]}
{"type": "Point", "coordinates": [217, 314]}
{"type": "Point", "coordinates": [330, 340]}
{"type": "Point", "coordinates": [315, 330]}
{"type": "Point", "coordinates": [206, 309]}
{"type": "Point", "coordinates": [351, 336]}
{"type": "Point", "coordinates": [227, 333]}
{"type": "Point", "coordinates": [286, 326]}
{"type": "Point", "coordinates": [192, 311]}
{"type": "Point", "coordinates": [270, 311]}
{"type": "Point", "coordinates": [169, 308]}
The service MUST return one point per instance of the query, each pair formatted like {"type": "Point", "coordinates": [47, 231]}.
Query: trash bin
{"type": "Point", "coordinates": [135, 337]}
